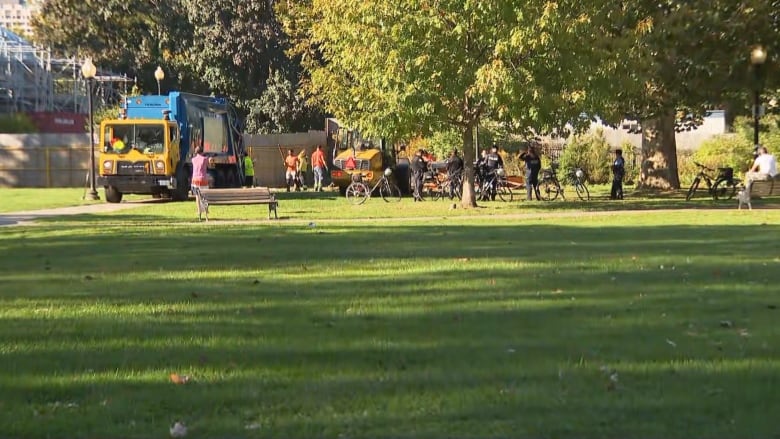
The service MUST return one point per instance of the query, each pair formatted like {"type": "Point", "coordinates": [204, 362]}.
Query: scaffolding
{"type": "Point", "coordinates": [32, 80]}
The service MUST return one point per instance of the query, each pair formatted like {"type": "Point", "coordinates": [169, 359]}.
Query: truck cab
{"type": "Point", "coordinates": [353, 154]}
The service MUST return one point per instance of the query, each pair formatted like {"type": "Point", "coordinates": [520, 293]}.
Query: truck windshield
{"type": "Point", "coordinates": [121, 139]}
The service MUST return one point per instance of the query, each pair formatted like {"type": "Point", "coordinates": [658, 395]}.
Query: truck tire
{"type": "Point", "coordinates": [113, 195]}
{"type": "Point", "coordinates": [232, 178]}
{"type": "Point", "coordinates": [182, 191]}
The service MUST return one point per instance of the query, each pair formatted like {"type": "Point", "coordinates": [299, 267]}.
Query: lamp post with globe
{"type": "Point", "coordinates": [88, 71]}
{"type": "Point", "coordinates": [159, 75]}
{"type": "Point", "coordinates": [757, 60]}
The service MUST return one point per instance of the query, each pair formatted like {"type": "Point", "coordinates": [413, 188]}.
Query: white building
{"type": "Point", "coordinates": [17, 14]}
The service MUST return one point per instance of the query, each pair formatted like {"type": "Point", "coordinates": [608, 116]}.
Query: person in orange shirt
{"type": "Point", "coordinates": [291, 169]}
{"type": "Point", "coordinates": [319, 167]}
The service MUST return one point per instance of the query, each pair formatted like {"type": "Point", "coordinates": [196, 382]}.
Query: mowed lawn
{"type": "Point", "coordinates": [624, 324]}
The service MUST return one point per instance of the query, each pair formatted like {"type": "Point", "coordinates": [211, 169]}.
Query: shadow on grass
{"type": "Point", "coordinates": [390, 331]}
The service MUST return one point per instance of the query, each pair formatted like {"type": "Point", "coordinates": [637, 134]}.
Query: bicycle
{"type": "Point", "coordinates": [451, 187]}
{"type": "Point", "coordinates": [359, 191]}
{"type": "Point", "coordinates": [724, 186]}
{"type": "Point", "coordinates": [577, 178]}
{"type": "Point", "coordinates": [495, 184]}
{"type": "Point", "coordinates": [549, 186]}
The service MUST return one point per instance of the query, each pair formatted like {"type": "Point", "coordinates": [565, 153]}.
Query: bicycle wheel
{"type": "Point", "coordinates": [724, 189]}
{"type": "Point", "coordinates": [456, 189]}
{"type": "Point", "coordinates": [357, 193]}
{"type": "Point", "coordinates": [504, 193]}
{"type": "Point", "coordinates": [549, 189]}
{"type": "Point", "coordinates": [390, 192]}
{"type": "Point", "coordinates": [692, 189]}
{"type": "Point", "coordinates": [582, 191]}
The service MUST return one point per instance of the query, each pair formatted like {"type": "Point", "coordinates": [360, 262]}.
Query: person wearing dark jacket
{"type": "Point", "coordinates": [533, 164]}
{"type": "Point", "coordinates": [418, 166]}
{"type": "Point", "coordinates": [618, 171]}
{"type": "Point", "coordinates": [455, 172]}
{"type": "Point", "coordinates": [493, 162]}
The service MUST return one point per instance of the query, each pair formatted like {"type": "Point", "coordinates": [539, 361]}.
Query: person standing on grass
{"type": "Point", "coordinates": [455, 172]}
{"type": "Point", "coordinates": [419, 166]}
{"type": "Point", "coordinates": [200, 179]}
{"type": "Point", "coordinates": [249, 171]}
{"type": "Point", "coordinates": [618, 171]}
{"type": "Point", "coordinates": [533, 164]}
{"type": "Point", "coordinates": [291, 169]}
{"type": "Point", "coordinates": [303, 168]}
{"type": "Point", "coordinates": [319, 167]}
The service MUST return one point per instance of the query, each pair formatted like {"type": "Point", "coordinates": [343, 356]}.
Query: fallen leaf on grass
{"type": "Point", "coordinates": [726, 324]}
{"type": "Point", "coordinates": [179, 379]}
{"type": "Point", "coordinates": [463, 259]}
{"type": "Point", "coordinates": [88, 277]}
{"type": "Point", "coordinates": [671, 343]}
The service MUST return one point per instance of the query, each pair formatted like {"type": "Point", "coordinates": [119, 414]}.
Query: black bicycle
{"type": "Point", "coordinates": [722, 187]}
{"type": "Point", "coordinates": [494, 184]}
{"type": "Point", "coordinates": [577, 178]}
{"type": "Point", "coordinates": [359, 190]}
{"type": "Point", "coordinates": [549, 186]}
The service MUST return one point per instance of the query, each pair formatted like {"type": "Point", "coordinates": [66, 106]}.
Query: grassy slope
{"type": "Point", "coordinates": [466, 327]}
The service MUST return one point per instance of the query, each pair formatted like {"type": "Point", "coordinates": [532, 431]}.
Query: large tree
{"type": "Point", "coordinates": [229, 47]}
{"type": "Point", "coordinates": [680, 58]}
{"type": "Point", "coordinates": [419, 66]}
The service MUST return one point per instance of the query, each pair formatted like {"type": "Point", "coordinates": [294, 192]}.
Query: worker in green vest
{"type": "Point", "coordinates": [249, 171]}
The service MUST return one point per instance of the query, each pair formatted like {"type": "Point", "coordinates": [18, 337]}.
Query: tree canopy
{"type": "Point", "coordinates": [227, 47]}
{"type": "Point", "coordinates": [408, 67]}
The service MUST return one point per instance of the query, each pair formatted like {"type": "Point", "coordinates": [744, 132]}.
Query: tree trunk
{"type": "Point", "coordinates": [659, 154]}
{"type": "Point", "coordinates": [469, 195]}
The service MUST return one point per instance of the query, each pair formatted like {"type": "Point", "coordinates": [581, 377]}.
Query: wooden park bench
{"type": "Point", "coordinates": [257, 195]}
{"type": "Point", "coordinates": [764, 188]}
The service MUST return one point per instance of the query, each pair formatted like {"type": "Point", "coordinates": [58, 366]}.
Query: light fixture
{"type": "Point", "coordinates": [159, 75]}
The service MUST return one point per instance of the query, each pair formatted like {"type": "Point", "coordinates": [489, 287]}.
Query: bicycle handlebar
{"type": "Point", "coordinates": [702, 166]}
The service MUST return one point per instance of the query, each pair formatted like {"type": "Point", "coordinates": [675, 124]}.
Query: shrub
{"type": "Point", "coordinates": [17, 123]}
{"type": "Point", "coordinates": [591, 152]}
{"type": "Point", "coordinates": [725, 150]}
{"type": "Point", "coordinates": [769, 131]}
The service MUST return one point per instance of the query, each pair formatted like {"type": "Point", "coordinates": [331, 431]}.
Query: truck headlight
{"type": "Point", "coordinates": [108, 164]}
{"type": "Point", "coordinates": [159, 165]}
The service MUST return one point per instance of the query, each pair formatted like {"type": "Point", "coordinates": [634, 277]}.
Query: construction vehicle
{"type": "Point", "coordinates": [354, 154]}
{"type": "Point", "coordinates": [148, 149]}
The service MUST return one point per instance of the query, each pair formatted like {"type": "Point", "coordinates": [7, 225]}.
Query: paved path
{"type": "Point", "coordinates": [28, 217]}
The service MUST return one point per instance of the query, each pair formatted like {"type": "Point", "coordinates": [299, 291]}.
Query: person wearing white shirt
{"type": "Point", "coordinates": [764, 167]}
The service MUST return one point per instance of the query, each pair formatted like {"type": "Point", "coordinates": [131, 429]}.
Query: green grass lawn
{"type": "Point", "coordinates": [636, 325]}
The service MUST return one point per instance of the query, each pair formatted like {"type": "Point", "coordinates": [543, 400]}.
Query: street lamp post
{"type": "Point", "coordinates": [757, 59]}
{"type": "Point", "coordinates": [159, 75]}
{"type": "Point", "coordinates": [88, 71]}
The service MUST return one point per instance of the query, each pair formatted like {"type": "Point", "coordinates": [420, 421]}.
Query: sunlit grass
{"type": "Point", "coordinates": [622, 324]}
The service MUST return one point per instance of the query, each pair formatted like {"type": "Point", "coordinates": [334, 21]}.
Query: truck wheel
{"type": "Point", "coordinates": [113, 195]}
{"type": "Point", "coordinates": [182, 192]}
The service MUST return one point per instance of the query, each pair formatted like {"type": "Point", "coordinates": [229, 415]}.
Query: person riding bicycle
{"type": "Point", "coordinates": [418, 166]}
{"type": "Point", "coordinates": [618, 171]}
{"type": "Point", "coordinates": [533, 164]}
{"type": "Point", "coordinates": [493, 162]}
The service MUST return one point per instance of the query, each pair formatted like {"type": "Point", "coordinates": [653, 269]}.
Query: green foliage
{"type": "Point", "coordinates": [768, 132]}
{"type": "Point", "coordinates": [591, 152]}
{"type": "Point", "coordinates": [725, 150]}
{"type": "Point", "coordinates": [442, 142]}
{"type": "Point", "coordinates": [277, 109]}
{"type": "Point", "coordinates": [17, 123]}
{"type": "Point", "coordinates": [223, 47]}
